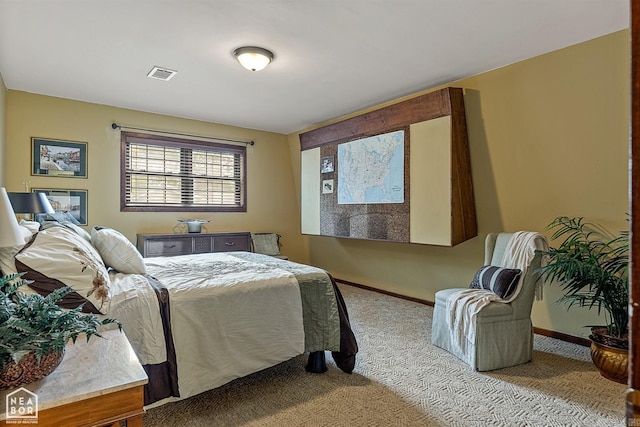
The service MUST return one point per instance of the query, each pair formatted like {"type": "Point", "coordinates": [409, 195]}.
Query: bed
{"type": "Point", "coordinates": [198, 321]}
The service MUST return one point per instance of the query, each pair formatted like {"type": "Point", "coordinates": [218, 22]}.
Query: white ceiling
{"type": "Point", "coordinates": [333, 57]}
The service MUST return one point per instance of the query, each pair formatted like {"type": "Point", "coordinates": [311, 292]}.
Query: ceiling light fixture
{"type": "Point", "coordinates": [253, 58]}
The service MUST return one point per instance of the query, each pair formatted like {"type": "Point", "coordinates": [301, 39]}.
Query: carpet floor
{"type": "Point", "coordinates": [400, 379]}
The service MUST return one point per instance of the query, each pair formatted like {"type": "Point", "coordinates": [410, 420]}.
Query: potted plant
{"type": "Point", "coordinates": [592, 268]}
{"type": "Point", "coordinates": [34, 331]}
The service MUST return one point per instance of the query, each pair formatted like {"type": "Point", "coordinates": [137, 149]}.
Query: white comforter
{"type": "Point", "coordinates": [229, 317]}
{"type": "Point", "coordinates": [134, 303]}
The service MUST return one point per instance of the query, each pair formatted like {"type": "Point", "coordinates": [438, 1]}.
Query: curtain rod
{"type": "Point", "coordinates": [117, 126]}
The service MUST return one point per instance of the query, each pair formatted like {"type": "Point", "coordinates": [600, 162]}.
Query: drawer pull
{"type": "Point", "coordinates": [229, 243]}
{"type": "Point", "coordinates": [169, 246]}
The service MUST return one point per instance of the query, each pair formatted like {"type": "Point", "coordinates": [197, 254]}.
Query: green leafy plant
{"type": "Point", "coordinates": [33, 323]}
{"type": "Point", "coordinates": [592, 267]}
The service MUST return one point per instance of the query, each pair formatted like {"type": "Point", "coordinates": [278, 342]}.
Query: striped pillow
{"type": "Point", "coordinates": [501, 281]}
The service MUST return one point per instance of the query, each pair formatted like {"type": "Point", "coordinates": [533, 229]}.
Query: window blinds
{"type": "Point", "coordinates": [182, 174]}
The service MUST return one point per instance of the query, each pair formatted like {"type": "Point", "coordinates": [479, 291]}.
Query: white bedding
{"type": "Point", "coordinates": [229, 317]}
{"type": "Point", "coordinates": [231, 314]}
{"type": "Point", "coordinates": [135, 305]}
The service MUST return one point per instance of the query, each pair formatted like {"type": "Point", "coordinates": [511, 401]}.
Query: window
{"type": "Point", "coordinates": [172, 175]}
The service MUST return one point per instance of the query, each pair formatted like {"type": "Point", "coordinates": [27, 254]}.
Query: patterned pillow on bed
{"type": "Point", "coordinates": [58, 257]}
{"type": "Point", "coordinates": [501, 281]}
{"type": "Point", "coordinates": [117, 251]}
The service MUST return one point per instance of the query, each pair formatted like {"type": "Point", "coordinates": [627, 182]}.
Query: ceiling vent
{"type": "Point", "coordinates": [161, 73]}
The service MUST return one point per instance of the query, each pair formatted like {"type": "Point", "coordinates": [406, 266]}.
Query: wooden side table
{"type": "Point", "coordinates": [98, 383]}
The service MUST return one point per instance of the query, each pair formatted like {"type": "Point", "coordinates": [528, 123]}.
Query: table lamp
{"type": "Point", "coordinates": [10, 234]}
{"type": "Point", "coordinates": [30, 203]}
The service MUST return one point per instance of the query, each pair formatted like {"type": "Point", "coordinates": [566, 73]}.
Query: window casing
{"type": "Point", "coordinates": [166, 174]}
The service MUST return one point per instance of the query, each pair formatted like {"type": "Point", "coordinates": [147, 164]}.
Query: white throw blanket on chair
{"type": "Point", "coordinates": [464, 306]}
{"type": "Point", "coordinates": [520, 250]}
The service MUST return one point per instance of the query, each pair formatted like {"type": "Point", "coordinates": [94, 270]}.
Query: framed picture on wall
{"type": "Point", "coordinates": [326, 165]}
{"type": "Point", "coordinates": [69, 205]}
{"type": "Point", "coordinates": [327, 186]}
{"type": "Point", "coordinates": [53, 157]}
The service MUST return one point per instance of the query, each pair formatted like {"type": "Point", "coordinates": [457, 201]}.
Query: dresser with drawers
{"type": "Point", "coordinates": [152, 245]}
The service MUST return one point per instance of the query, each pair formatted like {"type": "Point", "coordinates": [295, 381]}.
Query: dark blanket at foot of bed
{"type": "Point", "coordinates": [346, 357]}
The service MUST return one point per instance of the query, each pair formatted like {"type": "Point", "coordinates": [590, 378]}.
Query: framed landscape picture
{"type": "Point", "coordinates": [53, 157]}
{"type": "Point", "coordinates": [69, 205]}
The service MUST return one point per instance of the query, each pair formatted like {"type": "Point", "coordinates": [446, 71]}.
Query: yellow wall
{"type": "Point", "coordinates": [3, 91]}
{"type": "Point", "coordinates": [548, 136]}
{"type": "Point", "coordinates": [271, 198]}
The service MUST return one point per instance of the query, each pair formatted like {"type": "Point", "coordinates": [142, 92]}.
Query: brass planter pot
{"type": "Point", "coordinates": [613, 363]}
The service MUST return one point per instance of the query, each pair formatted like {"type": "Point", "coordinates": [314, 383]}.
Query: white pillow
{"type": "Point", "coordinates": [7, 260]}
{"type": "Point", "coordinates": [57, 257]}
{"type": "Point", "coordinates": [32, 226]}
{"type": "Point", "coordinates": [117, 251]}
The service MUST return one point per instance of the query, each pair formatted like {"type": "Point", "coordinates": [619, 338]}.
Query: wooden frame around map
{"type": "Point", "coordinates": [448, 222]}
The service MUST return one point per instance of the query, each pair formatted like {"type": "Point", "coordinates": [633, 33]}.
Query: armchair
{"type": "Point", "coordinates": [500, 334]}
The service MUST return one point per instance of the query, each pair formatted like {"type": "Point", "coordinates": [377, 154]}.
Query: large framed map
{"type": "Point", "coordinates": [371, 170]}
{"type": "Point", "coordinates": [401, 173]}
{"type": "Point", "coordinates": [370, 195]}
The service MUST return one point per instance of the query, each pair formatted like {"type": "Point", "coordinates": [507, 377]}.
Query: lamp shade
{"type": "Point", "coordinates": [30, 203]}
{"type": "Point", "coordinates": [10, 234]}
{"type": "Point", "coordinates": [253, 58]}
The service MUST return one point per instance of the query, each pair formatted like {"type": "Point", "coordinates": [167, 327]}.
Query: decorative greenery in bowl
{"type": "Point", "coordinates": [34, 331]}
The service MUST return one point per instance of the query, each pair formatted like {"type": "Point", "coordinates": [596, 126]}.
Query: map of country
{"type": "Point", "coordinates": [371, 170]}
